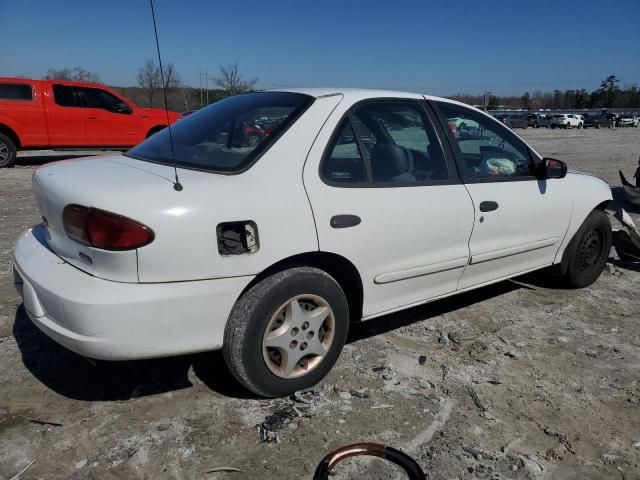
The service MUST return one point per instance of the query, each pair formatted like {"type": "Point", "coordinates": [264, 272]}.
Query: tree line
{"type": "Point", "coordinates": [229, 81]}
{"type": "Point", "coordinates": [608, 95]}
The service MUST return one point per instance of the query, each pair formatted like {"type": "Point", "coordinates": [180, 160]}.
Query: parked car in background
{"type": "Point", "coordinates": [538, 120]}
{"type": "Point", "coordinates": [566, 120]}
{"type": "Point", "coordinates": [270, 252]}
{"type": "Point", "coordinates": [514, 120]}
{"type": "Point", "coordinates": [628, 120]}
{"type": "Point", "coordinates": [595, 121]}
{"type": "Point", "coordinates": [61, 114]}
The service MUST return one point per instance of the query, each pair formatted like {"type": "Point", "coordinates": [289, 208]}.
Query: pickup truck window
{"type": "Point", "coordinates": [16, 91]}
{"type": "Point", "coordinates": [64, 96]}
{"type": "Point", "coordinates": [98, 98]}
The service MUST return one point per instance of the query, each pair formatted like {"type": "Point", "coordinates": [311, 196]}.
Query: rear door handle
{"type": "Point", "coordinates": [488, 206]}
{"type": "Point", "coordinates": [345, 221]}
{"type": "Point", "coordinates": [92, 118]}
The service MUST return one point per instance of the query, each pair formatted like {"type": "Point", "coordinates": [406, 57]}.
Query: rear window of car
{"type": "Point", "coordinates": [16, 91]}
{"type": "Point", "coordinates": [228, 136]}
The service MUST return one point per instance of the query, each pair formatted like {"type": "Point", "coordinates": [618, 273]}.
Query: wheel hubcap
{"type": "Point", "coordinates": [590, 250]}
{"type": "Point", "coordinates": [298, 336]}
{"type": "Point", "coordinates": [4, 151]}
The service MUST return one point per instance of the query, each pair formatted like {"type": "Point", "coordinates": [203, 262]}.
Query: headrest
{"type": "Point", "coordinates": [387, 161]}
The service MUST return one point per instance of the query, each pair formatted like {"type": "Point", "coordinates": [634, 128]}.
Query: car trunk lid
{"type": "Point", "coordinates": [94, 182]}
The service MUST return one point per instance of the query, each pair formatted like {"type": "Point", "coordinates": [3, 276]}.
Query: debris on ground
{"type": "Point", "coordinates": [223, 469]}
{"type": "Point", "coordinates": [626, 242]}
{"type": "Point", "coordinates": [310, 396]}
{"type": "Point", "coordinates": [41, 422]}
{"type": "Point", "coordinates": [278, 420]}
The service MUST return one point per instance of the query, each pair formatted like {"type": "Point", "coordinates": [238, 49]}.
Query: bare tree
{"type": "Point", "coordinates": [232, 82]}
{"type": "Point", "coordinates": [77, 74]}
{"type": "Point", "coordinates": [148, 79]}
{"type": "Point", "coordinates": [171, 77]}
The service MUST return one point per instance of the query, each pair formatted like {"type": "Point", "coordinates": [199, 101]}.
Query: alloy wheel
{"type": "Point", "coordinates": [4, 151]}
{"type": "Point", "coordinates": [298, 336]}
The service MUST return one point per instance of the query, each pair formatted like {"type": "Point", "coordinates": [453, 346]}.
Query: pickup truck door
{"type": "Point", "coordinates": [109, 121]}
{"type": "Point", "coordinates": [386, 196]}
{"type": "Point", "coordinates": [520, 220]}
{"type": "Point", "coordinates": [65, 117]}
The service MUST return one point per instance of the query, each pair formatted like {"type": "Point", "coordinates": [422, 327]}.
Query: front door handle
{"type": "Point", "coordinates": [345, 221]}
{"type": "Point", "coordinates": [92, 118]}
{"type": "Point", "coordinates": [488, 206]}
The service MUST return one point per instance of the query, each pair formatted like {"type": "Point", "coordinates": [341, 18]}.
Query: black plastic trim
{"type": "Point", "coordinates": [345, 221]}
{"type": "Point", "coordinates": [488, 206]}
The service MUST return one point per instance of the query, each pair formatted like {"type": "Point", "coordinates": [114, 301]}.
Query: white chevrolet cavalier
{"type": "Point", "coordinates": [352, 204]}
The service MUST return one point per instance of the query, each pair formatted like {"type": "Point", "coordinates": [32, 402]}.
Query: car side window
{"type": "Point", "coordinates": [64, 96]}
{"type": "Point", "coordinates": [386, 143]}
{"type": "Point", "coordinates": [489, 150]}
{"type": "Point", "coordinates": [407, 148]}
{"type": "Point", "coordinates": [16, 91]}
{"type": "Point", "coordinates": [345, 163]}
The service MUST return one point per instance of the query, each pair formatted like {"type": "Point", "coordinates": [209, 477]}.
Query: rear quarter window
{"type": "Point", "coordinates": [16, 91]}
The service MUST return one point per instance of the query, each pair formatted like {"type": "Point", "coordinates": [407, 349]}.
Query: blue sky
{"type": "Point", "coordinates": [439, 47]}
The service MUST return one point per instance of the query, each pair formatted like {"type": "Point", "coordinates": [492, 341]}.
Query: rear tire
{"type": "Point", "coordinates": [7, 151]}
{"type": "Point", "coordinates": [253, 140]}
{"type": "Point", "coordinates": [271, 323]}
{"type": "Point", "coordinates": [588, 250]}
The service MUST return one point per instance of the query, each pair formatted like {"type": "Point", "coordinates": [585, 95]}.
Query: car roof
{"type": "Point", "coordinates": [61, 82]}
{"type": "Point", "coordinates": [359, 93]}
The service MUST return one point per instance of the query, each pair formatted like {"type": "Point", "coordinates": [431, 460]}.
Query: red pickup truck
{"type": "Point", "coordinates": [38, 114]}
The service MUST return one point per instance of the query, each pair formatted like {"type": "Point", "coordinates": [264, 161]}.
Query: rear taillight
{"type": "Point", "coordinates": [104, 230]}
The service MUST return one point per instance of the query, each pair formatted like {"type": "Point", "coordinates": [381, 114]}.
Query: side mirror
{"type": "Point", "coordinates": [552, 168]}
{"type": "Point", "coordinates": [123, 108]}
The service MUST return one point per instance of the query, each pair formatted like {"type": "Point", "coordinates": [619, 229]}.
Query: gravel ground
{"type": "Point", "coordinates": [512, 381]}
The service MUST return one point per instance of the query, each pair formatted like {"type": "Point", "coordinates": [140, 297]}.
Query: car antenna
{"type": "Point", "coordinates": [176, 185]}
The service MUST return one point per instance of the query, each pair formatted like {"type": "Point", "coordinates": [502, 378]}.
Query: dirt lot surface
{"type": "Point", "coordinates": [516, 380]}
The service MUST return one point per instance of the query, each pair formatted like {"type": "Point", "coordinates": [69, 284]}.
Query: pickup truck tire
{"type": "Point", "coordinates": [588, 251]}
{"type": "Point", "coordinates": [272, 324]}
{"type": "Point", "coordinates": [7, 151]}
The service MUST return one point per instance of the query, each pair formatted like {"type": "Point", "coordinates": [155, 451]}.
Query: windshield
{"type": "Point", "coordinates": [226, 136]}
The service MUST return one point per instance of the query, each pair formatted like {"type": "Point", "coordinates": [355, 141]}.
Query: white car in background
{"type": "Point", "coordinates": [628, 120]}
{"type": "Point", "coordinates": [566, 120]}
{"type": "Point", "coordinates": [271, 251]}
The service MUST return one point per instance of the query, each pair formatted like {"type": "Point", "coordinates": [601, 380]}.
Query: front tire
{"type": "Point", "coordinates": [7, 151]}
{"type": "Point", "coordinates": [286, 332]}
{"type": "Point", "coordinates": [589, 250]}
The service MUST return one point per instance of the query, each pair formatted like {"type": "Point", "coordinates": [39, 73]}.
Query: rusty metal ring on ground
{"type": "Point", "coordinates": [404, 461]}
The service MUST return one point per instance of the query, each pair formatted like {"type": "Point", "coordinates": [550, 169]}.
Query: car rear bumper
{"type": "Point", "coordinates": [110, 320]}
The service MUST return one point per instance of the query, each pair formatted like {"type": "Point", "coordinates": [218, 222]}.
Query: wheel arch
{"type": "Point", "coordinates": [9, 132]}
{"type": "Point", "coordinates": [155, 129]}
{"type": "Point", "coordinates": [339, 267]}
{"type": "Point", "coordinates": [588, 194]}
{"type": "Point", "coordinates": [563, 265]}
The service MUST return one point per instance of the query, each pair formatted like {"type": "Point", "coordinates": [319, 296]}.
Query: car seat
{"type": "Point", "coordinates": [390, 163]}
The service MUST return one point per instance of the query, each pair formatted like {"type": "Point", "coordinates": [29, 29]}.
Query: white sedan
{"type": "Point", "coordinates": [355, 204]}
